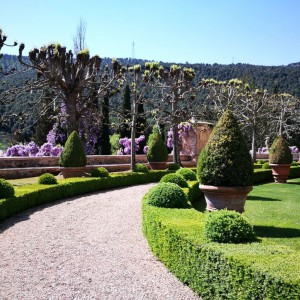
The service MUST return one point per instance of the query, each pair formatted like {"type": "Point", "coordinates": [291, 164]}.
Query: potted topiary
{"type": "Point", "coordinates": [280, 159]}
{"type": "Point", "coordinates": [225, 168]}
{"type": "Point", "coordinates": [73, 157]}
{"type": "Point", "coordinates": [157, 153]}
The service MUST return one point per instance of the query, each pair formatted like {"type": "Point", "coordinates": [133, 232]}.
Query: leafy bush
{"type": "Point", "coordinates": [265, 166]}
{"type": "Point", "coordinates": [187, 174]}
{"type": "Point", "coordinates": [226, 226]}
{"type": "Point", "coordinates": [168, 195]}
{"type": "Point", "coordinates": [140, 168]}
{"type": "Point", "coordinates": [100, 172]}
{"type": "Point", "coordinates": [6, 189]}
{"type": "Point", "coordinates": [157, 150]}
{"type": "Point", "coordinates": [114, 143]}
{"type": "Point", "coordinates": [261, 161]}
{"type": "Point", "coordinates": [175, 178]}
{"type": "Point", "coordinates": [173, 167]}
{"type": "Point", "coordinates": [47, 178]}
{"type": "Point", "coordinates": [280, 153]}
{"type": "Point", "coordinates": [225, 160]}
{"type": "Point", "coordinates": [73, 154]}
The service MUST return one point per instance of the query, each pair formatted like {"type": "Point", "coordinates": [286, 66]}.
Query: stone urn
{"type": "Point", "coordinates": [220, 197]}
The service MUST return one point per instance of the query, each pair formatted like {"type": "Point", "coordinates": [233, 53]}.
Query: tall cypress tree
{"type": "Point", "coordinates": [125, 130]}
{"type": "Point", "coordinates": [105, 147]}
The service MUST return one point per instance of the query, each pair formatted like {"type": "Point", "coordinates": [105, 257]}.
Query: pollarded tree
{"type": "Point", "coordinates": [3, 39]}
{"type": "Point", "coordinates": [178, 94]}
{"type": "Point", "coordinates": [69, 76]}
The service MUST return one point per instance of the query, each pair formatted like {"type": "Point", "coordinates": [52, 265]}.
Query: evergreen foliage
{"type": "Point", "coordinates": [105, 146]}
{"type": "Point", "coordinates": [168, 195]}
{"type": "Point", "coordinates": [225, 160]}
{"type": "Point", "coordinates": [227, 226]}
{"type": "Point", "coordinates": [140, 168]}
{"type": "Point", "coordinates": [73, 154]}
{"type": "Point", "coordinates": [157, 151]}
{"type": "Point", "coordinates": [100, 172]}
{"type": "Point", "coordinates": [126, 113]}
{"type": "Point", "coordinates": [187, 174]}
{"type": "Point", "coordinates": [6, 189]}
{"type": "Point", "coordinates": [47, 178]}
{"type": "Point", "coordinates": [280, 152]}
{"type": "Point", "coordinates": [175, 178]}
{"type": "Point", "coordinates": [173, 167]}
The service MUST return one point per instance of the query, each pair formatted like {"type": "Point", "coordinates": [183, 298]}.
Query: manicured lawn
{"type": "Point", "coordinates": [274, 210]}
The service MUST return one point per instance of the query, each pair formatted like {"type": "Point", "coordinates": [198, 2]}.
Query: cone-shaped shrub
{"type": "Point", "coordinates": [73, 154]}
{"type": "Point", "coordinates": [280, 152]}
{"type": "Point", "coordinates": [157, 150]}
{"type": "Point", "coordinates": [225, 160]}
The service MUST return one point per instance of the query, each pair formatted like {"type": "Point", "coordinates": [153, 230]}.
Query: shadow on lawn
{"type": "Point", "coordinates": [276, 232]}
{"type": "Point", "coordinates": [259, 198]}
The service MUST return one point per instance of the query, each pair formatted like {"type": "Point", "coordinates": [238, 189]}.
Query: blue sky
{"type": "Point", "coordinates": [261, 32]}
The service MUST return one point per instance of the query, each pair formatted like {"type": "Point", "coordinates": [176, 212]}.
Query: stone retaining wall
{"type": "Point", "coordinates": [22, 167]}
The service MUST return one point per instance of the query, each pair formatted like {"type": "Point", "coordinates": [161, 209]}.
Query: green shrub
{"type": "Point", "coordinates": [261, 161]}
{"type": "Point", "coordinates": [73, 154]}
{"type": "Point", "coordinates": [280, 152]}
{"type": "Point", "coordinates": [226, 226]}
{"type": "Point", "coordinates": [157, 150]}
{"type": "Point", "coordinates": [168, 195]}
{"type": "Point", "coordinates": [225, 160]}
{"type": "Point", "coordinates": [114, 143]}
{"type": "Point", "coordinates": [100, 172]}
{"type": "Point", "coordinates": [265, 166]}
{"type": "Point", "coordinates": [47, 178]}
{"type": "Point", "coordinates": [257, 166]}
{"type": "Point", "coordinates": [295, 163]}
{"type": "Point", "coordinates": [173, 167]}
{"type": "Point", "coordinates": [140, 168]}
{"type": "Point", "coordinates": [187, 174]}
{"type": "Point", "coordinates": [175, 178]}
{"type": "Point", "coordinates": [6, 189]}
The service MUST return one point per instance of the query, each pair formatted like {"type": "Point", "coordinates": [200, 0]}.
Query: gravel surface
{"type": "Point", "coordinates": [90, 247]}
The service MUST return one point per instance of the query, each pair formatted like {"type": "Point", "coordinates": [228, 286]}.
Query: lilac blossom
{"type": "Point", "coordinates": [126, 145]}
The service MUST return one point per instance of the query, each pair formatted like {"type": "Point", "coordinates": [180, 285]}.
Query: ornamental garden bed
{"type": "Point", "coordinates": [266, 269]}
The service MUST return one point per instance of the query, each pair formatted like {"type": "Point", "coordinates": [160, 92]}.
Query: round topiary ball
{"type": "Point", "coordinates": [140, 168]}
{"type": "Point", "coordinates": [280, 153]}
{"type": "Point", "coordinates": [187, 174]}
{"type": "Point", "coordinates": [227, 226]}
{"type": "Point", "coordinates": [6, 189]}
{"type": "Point", "coordinates": [100, 172]}
{"type": "Point", "coordinates": [167, 194]}
{"type": "Point", "coordinates": [73, 154]}
{"type": "Point", "coordinates": [173, 167]}
{"type": "Point", "coordinates": [175, 178]}
{"type": "Point", "coordinates": [47, 178]}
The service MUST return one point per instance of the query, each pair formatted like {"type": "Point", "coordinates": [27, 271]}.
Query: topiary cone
{"type": "Point", "coordinates": [73, 154]}
{"type": "Point", "coordinates": [280, 152]}
{"type": "Point", "coordinates": [157, 151]}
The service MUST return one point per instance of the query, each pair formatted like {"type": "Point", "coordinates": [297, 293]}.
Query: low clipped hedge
{"type": "Point", "coordinates": [29, 196]}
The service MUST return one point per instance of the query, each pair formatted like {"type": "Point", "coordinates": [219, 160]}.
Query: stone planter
{"type": "Point", "coordinates": [158, 165]}
{"type": "Point", "coordinates": [72, 171]}
{"type": "Point", "coordinates": [231, 198]}
{"type": "Point", "coordinates": [280, 172]}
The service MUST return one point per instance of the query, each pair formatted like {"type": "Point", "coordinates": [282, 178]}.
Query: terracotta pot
{"type": "Point", "coordinates": [72, 172]}
{"type": "Point", "coordinates": [280, 172]}
{"type": "Point", "coordinates": [158, 165]}
{"type": "Point", "coordinates": [220, 197]}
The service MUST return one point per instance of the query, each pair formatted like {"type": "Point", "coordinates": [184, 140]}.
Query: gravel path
{"type": "Point", "coordinates": [90, 247]}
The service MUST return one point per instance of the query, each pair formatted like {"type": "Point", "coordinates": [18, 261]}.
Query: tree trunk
{"type": "Point", "coordinates": [133, 131]}
{"type": "Point", "coordinates": [254, 144]}
{"type": "Point", "coordinates": [72, 120]}
{"type": "Point", "coordinates": [176, 151]}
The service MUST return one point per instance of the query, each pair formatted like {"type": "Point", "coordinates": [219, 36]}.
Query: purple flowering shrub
{"type": "Point", "coordinates": [126, 145]}
{"type": "Point", "coordinates": [31, 149]}
{"type": "Point", "coordinates": [183, 131]}
{"type": "Point", "coordinates": [294, 149]}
